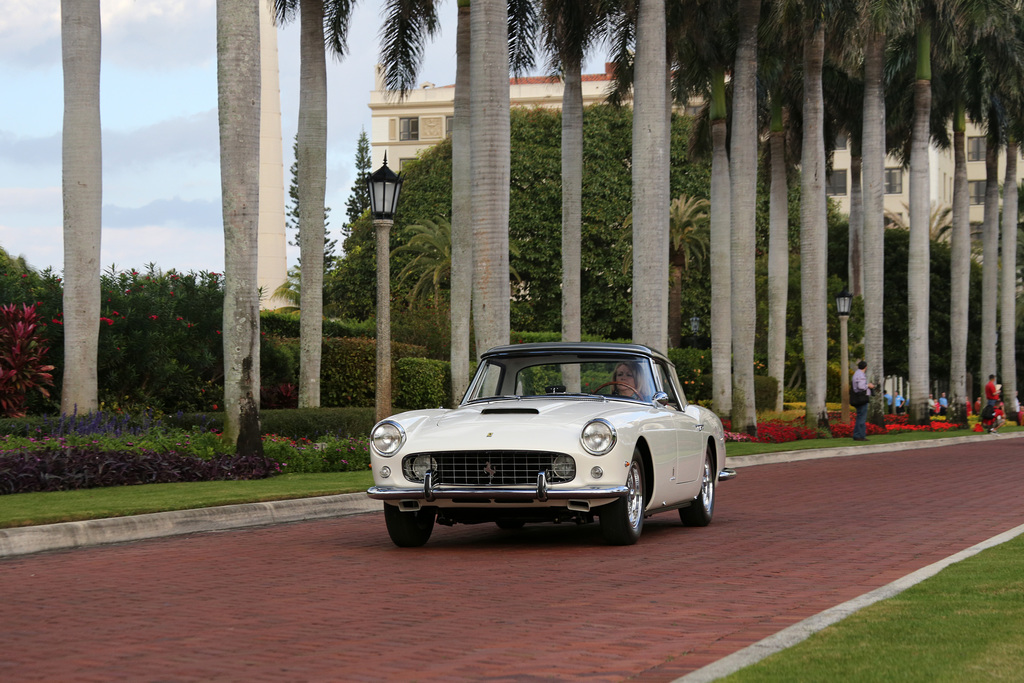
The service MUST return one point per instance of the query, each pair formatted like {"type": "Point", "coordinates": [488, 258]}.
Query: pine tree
{"type": "Point", "coordinates": [359, 200]}
{"type": "Point", "coordinates": [292, 214]}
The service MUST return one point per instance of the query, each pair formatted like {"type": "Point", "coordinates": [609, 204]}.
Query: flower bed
{"type": "Point", "coordinates": [779, 431]}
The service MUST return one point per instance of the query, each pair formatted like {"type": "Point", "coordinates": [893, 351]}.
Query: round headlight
{"type": "Point", "coordinates": [421, 464]}
{"type": "Point", "coordinates": [387, 437]}
{"type": "Point", "coordinates": [598, 437]}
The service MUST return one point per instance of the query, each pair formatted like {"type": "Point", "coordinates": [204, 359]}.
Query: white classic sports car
{"type": "Point", "coordinates": [553, 432]}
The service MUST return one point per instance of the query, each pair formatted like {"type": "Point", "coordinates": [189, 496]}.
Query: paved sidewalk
{"type": "Point", "coordinates": [33, 539]}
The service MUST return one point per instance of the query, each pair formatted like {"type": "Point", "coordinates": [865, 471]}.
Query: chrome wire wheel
{"type": "Point", "coordinates": [702, 508]}
{"type": "Point", "coordinates": [635, 497]}
{"type": "Point", "coordinates": [707, 488]}
{"type": "Point", "coordinates": [623, 520]}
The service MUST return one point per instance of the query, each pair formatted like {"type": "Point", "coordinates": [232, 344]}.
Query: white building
{"type": "Point", "coordinates": [403, 128]}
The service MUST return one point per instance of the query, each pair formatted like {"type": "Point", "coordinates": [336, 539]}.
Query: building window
{"type": "Point", "coordinates": [449, 126]}
{"type": "Point", "coordinates": [894, 181]}
{"type": "Point", "coordinates": [835, 183]}
{"type": "Point", "coordinates": [976, 188]}
{"type": "Point", "coordinates": [409, 129]}
{"type": "Point", "coordinates": [693, 110]}
{"type": "Point", "coordinates": [841, 143]}
{"type": "Point", "coordinates": [976, 148]}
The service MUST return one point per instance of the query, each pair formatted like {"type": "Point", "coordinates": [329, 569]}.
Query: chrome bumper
{"type": "Point", "coordinates": [726, 474]}
{"type": "Point", "coordinates": [541, 493]}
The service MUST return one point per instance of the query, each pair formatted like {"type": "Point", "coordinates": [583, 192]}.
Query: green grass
{"type": "Point", "coordinates": [964, 624]}
{"type": "Point", "coordinates": [26, 509]}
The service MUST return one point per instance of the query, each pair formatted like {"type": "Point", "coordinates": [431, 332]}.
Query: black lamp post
{"type": "Point", "coordinates": [694, 329]}
{"type": "Point", "coordinates": [384, 186]}
{"type": "Point", "coordinates": [844, 300]}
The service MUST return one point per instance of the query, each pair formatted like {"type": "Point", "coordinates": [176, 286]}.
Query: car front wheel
{"type": "Point", "coordinates": [409, 529]}
{"type": "Point", "coordinates": [623, 520]}
{"type": "Point", "coordinates": [702, 508]}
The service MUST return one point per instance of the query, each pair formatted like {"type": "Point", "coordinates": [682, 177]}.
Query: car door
{"type": "Point", "coordinates": [688, 430]}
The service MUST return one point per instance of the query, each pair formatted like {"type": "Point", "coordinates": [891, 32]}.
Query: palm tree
{"type": "Point", "coordinates": [960, 272]}
{"type": "Point", "coordinates": [813, 236]}
{"type": "Point", "coordinates": [430, 243]}
{"type": "Point", "coordinates": [238, 89]}
{"type": "Point", "coordinates": [703, 51]}
{"type": "Point", "coordinates": [688, 247]}
{"type": "Point", "coordinates": [743, 164]}
{"type": "Point", "coordinates": [491, 172]}
{"type": "Point", "coordinates": [569, 29]}
{"type": "Point", "coordinates": [1008, 286]}
{"type": "Point", "coordinates": [82, 194]}
{"type": "Point", "coordinates": [919, 258]}
{"type": "Point", "coordinates": [311, 159]}
{"type": "Point", "coordinates": [650, 179]}
{"type": "Point", "coordinates": [461, 225]}
{"type": "Point", "coordinates": [290, 291]}
{"type": "Point", "coordinates": [778, 253]}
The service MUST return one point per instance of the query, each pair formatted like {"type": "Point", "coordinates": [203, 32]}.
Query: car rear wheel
{"type": "Point", "coordinates": [409, 529]}
{"type": "Point", "coordinates": [623, 520]}
{"type": "Point", "coordinates": [702, 508]}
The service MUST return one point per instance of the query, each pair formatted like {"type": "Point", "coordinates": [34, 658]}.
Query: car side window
{"type": "Point", "coordinates": [668, 386]}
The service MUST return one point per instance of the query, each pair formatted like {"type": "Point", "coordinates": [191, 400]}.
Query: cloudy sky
{"type": "Point", "coordinates": [161, 177]}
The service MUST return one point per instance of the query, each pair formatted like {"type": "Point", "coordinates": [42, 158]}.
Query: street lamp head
{"type": "Point", "coordinates": [384, 185]}
{"type": "Point", "coordinates": [695, 324]}
{"type": "Point", "coordinates": [844, 300]}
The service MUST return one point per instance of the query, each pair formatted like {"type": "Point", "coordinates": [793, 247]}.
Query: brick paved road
{"type": "Point", "coordinates": [334, 600]}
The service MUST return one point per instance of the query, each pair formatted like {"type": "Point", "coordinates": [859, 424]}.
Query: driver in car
{"type": "Point", "coordinates": [629, 381]}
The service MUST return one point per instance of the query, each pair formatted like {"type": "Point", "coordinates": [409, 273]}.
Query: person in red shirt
{"type": "Point", "coordinates": [991, 391]}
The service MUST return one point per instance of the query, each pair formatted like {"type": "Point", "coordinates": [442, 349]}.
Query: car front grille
{"type": "Point", "coordinates": [488, 468]}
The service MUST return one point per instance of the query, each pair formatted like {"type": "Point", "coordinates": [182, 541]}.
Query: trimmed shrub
{"type": "Point", "coordinates": [348, 370]}
{"type": "Point", "coordinates": [422, 383]}
{"type": "Point", "coordinates": [286, 325]}
{"type": "Point", "coordinates": [766, 390]}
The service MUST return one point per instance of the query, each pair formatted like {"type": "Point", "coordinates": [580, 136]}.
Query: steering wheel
{"type": "Point", "coordinates": [630, 388]}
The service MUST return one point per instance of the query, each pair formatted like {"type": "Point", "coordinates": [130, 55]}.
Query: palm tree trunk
{"type": "Point", "coordinates": [572, 210]}
{"type": "Point", "coordinates": [462, 228]}
{"type": "Point", "coordinates": [990, 261]}
{"type": "Point", "coordinates": [491, 172]}
{"type": "Point", "coordinates": [1008, 290]}
{"type": "Point", "coordinates": [82, 194]}
{"type": "Point", "coordinates": [238, 88]}
{"type": "Point", "coordinates": [855, 242]}
{"type": "Point", "coordinates": [813, 237]}
{"type": "Point", "coordinates": [721, 268]}
{"type": "Point", "coordinates": [675, 306]}
{"type": "Point", "coordinates": [778, 256]}
{"type": "Point", "coordinates": [312, 180]}
{"type": "Point", "coordinates": [960, 271]}
{"type": "Point", "coordinates": [873, 182]}
{"type": "Point", "coordinates": [650, 180]}
{"type": "Point", "coordinates": [919, 258]}
{"type": "Point", "coordinates": [743, 161]}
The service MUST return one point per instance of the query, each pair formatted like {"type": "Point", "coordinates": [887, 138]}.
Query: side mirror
{"type": "Point", "coordinates": [661, 399]}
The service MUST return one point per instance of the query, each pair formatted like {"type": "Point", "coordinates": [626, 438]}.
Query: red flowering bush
{"type": "Point", "coordinates": [22, 353]}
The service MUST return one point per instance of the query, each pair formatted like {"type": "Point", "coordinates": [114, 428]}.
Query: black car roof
{"type": "Point", "coordinates": [544, 348]}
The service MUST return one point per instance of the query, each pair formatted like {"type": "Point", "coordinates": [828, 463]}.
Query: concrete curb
{"type": "Point", "coordinates": [34, 539]}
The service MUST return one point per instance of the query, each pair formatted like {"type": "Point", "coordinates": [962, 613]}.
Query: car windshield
{"type": "Point", "coordinates": [625, 377]}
